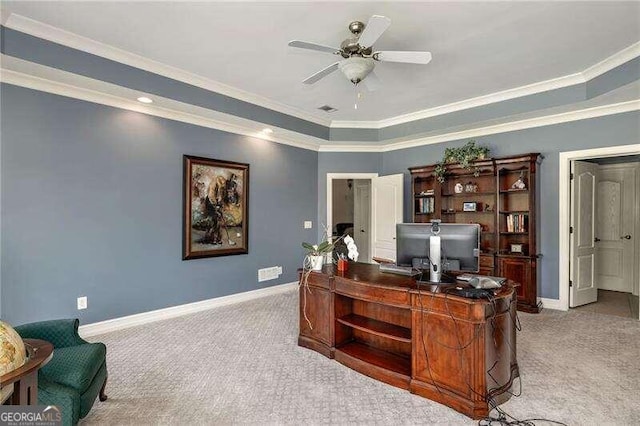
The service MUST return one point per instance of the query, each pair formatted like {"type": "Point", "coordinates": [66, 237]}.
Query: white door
{"type": "Point", "coordinates": [362, 219]}
{"type": "Point", "coordinates": [582, 242]}
{"type": "Point", "coordinates": [615, 250]}
{"type": "Point", "coordinates": [387, 206]}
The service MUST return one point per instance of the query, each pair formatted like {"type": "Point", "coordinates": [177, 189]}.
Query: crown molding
{"type": "Point", "coordinates": [547, 120]}
{"type": "Point", "coordinates": [85, 44]}
{"type": "Point", "coordinates": [505, 95]}
{"type": "Point", "coordinates": [613, 61]}
{"type": "Point", "coordinates": [348, 147]}
{"type": "Point", "coordinates": [78, 87]}
{"type": "Point", "coordinates": [192, 115]}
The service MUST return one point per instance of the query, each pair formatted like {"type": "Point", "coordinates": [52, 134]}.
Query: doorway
{"type": "Point", "coordinates": [378, 207]}
{"type": "Point", "coordinates": [602, 258]}
{"type": "Point", "coordinates": [351, 213]}
{"type": "Point", "coordinates": [349, 209]}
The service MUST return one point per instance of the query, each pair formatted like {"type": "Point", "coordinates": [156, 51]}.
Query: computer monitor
{"type": "Point", "coordinates": [459, 245]}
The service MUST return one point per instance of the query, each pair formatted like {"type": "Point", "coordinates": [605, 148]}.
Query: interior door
{"type": "Point", "coordinates": [362, 219]}
{"type": "Point", "coordinates": [584, 185]}
{"type": "Point", "coordinates": [615, 222]}
{"type": "Point", "coordinates": [387, 211]}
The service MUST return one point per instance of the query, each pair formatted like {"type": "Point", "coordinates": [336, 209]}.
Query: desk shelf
{"type": "Point", "coordinates": [377, 357]}
{"type": "Point", "coordinates": [379, 328]}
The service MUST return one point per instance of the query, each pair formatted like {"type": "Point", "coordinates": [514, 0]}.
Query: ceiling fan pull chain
{"type": "Point", "coordinates": [358, 96]}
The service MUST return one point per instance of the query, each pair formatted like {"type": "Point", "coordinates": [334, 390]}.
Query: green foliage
{"type": "Point", "coordinates": [465, 156]}
{"type": "Point", "coordinates": [318, 250]}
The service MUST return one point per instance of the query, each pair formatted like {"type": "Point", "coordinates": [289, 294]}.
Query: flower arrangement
{"type": "Point", "coordinates": [465, 156]}
{"type": "Point", "coordinates": [351, 247]}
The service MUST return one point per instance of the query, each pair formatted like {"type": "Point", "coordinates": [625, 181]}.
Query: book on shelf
{"type": "Point", "coordinates": [426, 205]}
{"type": "Point", "coordinates": [517, 222]}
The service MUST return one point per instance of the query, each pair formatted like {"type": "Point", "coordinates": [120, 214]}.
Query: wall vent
{"type": "Point", "coordinates": [328, 108]}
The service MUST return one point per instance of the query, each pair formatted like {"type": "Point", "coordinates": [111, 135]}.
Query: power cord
{"type": "Point", "coordinates": [503, 418]}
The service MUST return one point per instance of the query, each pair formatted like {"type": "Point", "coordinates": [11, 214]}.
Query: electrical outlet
{"type": "Point", "coordinates": [82, 302]}
{"type": "Point", "coordinates": [308, 224]}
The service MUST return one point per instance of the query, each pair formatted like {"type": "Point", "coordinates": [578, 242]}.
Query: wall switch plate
{"type": "Point", "coordinates": [82, 302]}
{"type": "Point", "coordinates": [308, 224]}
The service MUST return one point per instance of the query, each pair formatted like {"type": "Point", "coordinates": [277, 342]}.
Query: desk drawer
{"type": "Point", "coordinates": [486, 261]}
{"type": "Point", "coordinates": [387, 296]}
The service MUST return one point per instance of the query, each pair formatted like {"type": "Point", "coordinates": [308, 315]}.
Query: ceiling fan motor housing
{"type": "Point", "coordinates": [356, 68]}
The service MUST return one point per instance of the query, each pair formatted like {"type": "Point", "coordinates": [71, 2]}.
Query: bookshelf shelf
{"type": "Point", "coordinates": [471, 194]}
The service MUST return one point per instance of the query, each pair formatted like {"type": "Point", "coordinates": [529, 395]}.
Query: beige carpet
{"type": "Point", "coordinates": [613, 303]}
{"type": "Point", "coordinates": [240, 365]}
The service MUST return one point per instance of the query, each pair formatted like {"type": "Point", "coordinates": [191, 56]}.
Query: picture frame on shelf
{"type": "Point", "coordinates": [215, 208]}
{"type": "Point", "coordinates": [469, 206]}
{"type": "Point", "coordinates": [516, 248]}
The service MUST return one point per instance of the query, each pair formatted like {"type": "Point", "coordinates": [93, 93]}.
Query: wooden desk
{"type": "Point", "coordinates": [456, 351]}
{"type": "Point", "coordinates": [25, 378]}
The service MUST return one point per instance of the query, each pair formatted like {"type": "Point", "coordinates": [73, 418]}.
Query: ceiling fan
{"type": "Point", "coordinates": [359, 56]}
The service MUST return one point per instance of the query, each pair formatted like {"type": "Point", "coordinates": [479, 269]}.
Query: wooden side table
{"type": "Point", "coordinates": [25, 378]}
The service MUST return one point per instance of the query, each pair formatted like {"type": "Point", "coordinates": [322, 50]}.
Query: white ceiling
{"type": "Point", "coordinates": [478, 48]}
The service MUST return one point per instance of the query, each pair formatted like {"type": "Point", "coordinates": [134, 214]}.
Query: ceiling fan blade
{"type": "Point", "coordinates": [403, 56]}
{"type": "Point", "coordinates": [321, 74]}
{"type": "Point", "coordinates": [313, 46]}
{"type": "Point", "coordinates": [376, 26]}
{"type": "Point", "coordinates": [372, 82]}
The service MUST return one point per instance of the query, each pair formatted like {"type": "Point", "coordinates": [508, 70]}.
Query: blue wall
{"type": "Point", "coordinates": [621, 129]}
{"type": "Point", "coordinates": [92, 206]}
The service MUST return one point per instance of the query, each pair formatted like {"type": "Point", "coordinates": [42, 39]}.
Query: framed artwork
{"type": "Point", "coordinates": [469, 206]}
{"type": "Point", "coordinates": [518, 248]}
{"type": "Point", "coordinates": [215, 208]}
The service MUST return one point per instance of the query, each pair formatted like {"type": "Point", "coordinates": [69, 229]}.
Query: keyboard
{"type": "Point", "coordinates": [390, 268]}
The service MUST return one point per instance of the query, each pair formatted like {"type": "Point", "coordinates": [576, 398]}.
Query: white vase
{"type": "Point", "coordinates": [316, 262]}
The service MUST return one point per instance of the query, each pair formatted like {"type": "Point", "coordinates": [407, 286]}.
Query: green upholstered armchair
{"type": "Point", "coordinates": [76, 374]}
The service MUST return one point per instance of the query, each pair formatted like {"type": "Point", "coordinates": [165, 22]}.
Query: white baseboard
{"type": "Point", "coordinates": [552, 304]}
{"type": "Point", "coordinates": [121, 323]}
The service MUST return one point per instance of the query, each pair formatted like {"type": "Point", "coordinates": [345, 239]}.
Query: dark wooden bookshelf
{"type": "Point", "coordinates": [497, 200]}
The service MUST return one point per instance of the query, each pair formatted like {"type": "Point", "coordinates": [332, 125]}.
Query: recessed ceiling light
{"type": "Point", "coordinates": [267, 131]}
{"type": "Point", "coordinates": [145, 100]}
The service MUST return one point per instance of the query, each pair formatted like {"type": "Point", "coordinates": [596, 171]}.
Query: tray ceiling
{"type": "Point", "coordinates": [478, 48]}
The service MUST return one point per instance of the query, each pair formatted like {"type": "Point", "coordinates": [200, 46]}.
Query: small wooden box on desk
{"type": "Point", "coordinates": [456, 351]}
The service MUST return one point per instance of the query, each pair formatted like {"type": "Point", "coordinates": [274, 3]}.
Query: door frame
{"type": "Point", "coordinates": [330, 178]}
{"type": "Point", "coordinates": [564, 207]}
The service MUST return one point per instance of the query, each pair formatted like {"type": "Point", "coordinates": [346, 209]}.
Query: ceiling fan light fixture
{"type": "Point", "coordinates": [356, 68]}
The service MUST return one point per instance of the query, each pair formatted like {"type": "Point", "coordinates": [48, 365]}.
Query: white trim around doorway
{"type": "Point", "coordinates": [564, 209]}
{"type": "Point", "coordinates": [330, 178]}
